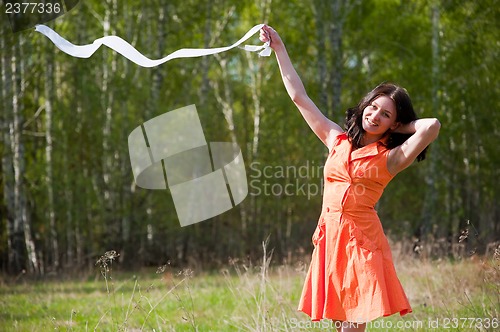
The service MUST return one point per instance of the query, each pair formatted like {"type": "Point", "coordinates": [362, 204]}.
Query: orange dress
{"type": "Point", "coordinates": [351, 276]}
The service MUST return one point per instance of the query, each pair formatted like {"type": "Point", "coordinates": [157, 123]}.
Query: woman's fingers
{"type": "Point", "coordinates": [265, 33]}
{"type": "Point", "coordinates": [268, 34]}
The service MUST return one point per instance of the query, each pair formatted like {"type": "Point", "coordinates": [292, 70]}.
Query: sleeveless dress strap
{"type": "Point", "coordinates": [340, 137]}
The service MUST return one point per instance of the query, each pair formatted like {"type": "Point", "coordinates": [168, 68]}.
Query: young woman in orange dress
{"type": "Point", "coordinates": [351, 279]}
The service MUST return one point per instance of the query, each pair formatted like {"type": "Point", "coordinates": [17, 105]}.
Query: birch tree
{"type": "Point", "coordinates": [109, 68]}
{"type": "Point", "coordinates": [15, 258]}
{"type": "Point", "coordinates": [49, 174]}
{"type": "Point", "coordinates": [430, 200]}
{"type": "Point", "coordinates": [319, 11]}
{"type": "Point", "coordinates": [22, 236]}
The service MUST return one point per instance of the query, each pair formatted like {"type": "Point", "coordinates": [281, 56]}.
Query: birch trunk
{"type": "Point", "coordinates": [340, 10]}
{"type": "Point", "coordinates": [125, 168]}
{"type": "Point", "coordinates": [429, 206]}
{"type": "Point", "coordinates": [204, 61]}
{"type": "Point", "coordinates": [318, 8]}
{"type": "Point", "coordinates": [107, 100]}
{"type": "Point", "coordinates": [256, 83]}
{"type": "Point", "coordinates": [147, 230]}
{"type": "Point", "coordinates": [49, 98]}
{"type": "Point", "coordinates": [76, 199]}
{"type": "Point", "coordinates": [255, 88]}
{"type": "Point", "coordinates": [157, 76]}
{"type": "Point", "coordinates": [23, 240]}
{"type": "Point", "coordinates": [336, 27]}
{"type": "Point", "coordinates": [14, 258]}
{"type": "Point", "coordinates": [73, 242]}
{"type": "Point", "coordinates": [226, 102]}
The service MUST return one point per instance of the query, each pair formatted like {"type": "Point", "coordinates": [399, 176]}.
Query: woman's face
{"type": "Point", "coordinates": [379, 116]}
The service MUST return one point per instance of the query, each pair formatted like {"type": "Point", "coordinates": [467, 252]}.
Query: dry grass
{"type": "Point", "coordinates": [246, 296]}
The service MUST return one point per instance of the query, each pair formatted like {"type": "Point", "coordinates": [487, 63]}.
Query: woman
{"type": "Point", "coordinates": [351, 278]}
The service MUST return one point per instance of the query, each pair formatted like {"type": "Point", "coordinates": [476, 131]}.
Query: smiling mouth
{"type": "Point", "coordinates": [371, 123]}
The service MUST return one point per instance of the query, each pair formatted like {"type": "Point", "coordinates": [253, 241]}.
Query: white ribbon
{"type": "Point", "coordinates": [128, 51]}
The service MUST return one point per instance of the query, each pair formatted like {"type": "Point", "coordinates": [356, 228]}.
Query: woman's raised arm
{"type": "Point", "coordinates": [324, 128]}
{"type": "Point", "coordinates": [423, 131]}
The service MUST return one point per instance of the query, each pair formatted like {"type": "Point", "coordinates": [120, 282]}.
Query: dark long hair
{"type": "Point", "coordinates": [404, 114]}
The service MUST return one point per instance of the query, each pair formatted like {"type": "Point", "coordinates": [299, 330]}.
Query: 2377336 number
{"type": "Point", "coordinates": [470, 323]}
{"type": "Point", "coordinates": [32, 8]}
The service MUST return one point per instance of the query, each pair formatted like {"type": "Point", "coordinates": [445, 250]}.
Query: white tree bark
{"type": "Point", "coordinates": [49, 98]}
{"type": "Point", "coordinates": [340, 9]}
{"type": "Point", "coordinates": [22, 221]}
{"type": "Point", "coordinates": [205, 60]}
{"type": "Point", "coordinates": [14, 262]}
{"type": "Point", "coordinates": [107, 101]}
{"type": "Point", "coordinates": [319, 10]}
{"type": "Point", "coordinates": [336, 28]}
{"type": "Point", "coordinates": [429, 205]}
{"type": "Point", "coordinates": [125, 168]}
{"type": "Point", "coordinates": [225, 102]}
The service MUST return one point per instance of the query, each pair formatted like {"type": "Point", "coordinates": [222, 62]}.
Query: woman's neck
{"type": "Point", "coordinates": [368, 139]}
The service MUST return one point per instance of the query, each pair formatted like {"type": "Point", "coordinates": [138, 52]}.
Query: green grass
{"type": "Point", "coordinates": [240, 298]}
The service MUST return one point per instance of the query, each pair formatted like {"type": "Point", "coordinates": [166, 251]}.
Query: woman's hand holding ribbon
{"type": "Point", "coordinates": [269, 35]}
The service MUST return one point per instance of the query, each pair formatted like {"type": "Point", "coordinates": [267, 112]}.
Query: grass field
{"type": "Point", "coordinates": [445, 295]}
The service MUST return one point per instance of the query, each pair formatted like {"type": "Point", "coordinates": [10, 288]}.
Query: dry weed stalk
{"type": "Point", "coordinates": [258, 295]}
{"type": "Point", "coordinates": [105, 263]}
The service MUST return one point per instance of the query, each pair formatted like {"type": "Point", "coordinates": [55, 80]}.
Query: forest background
{"type": "Point", "coordinates": [67, 190]}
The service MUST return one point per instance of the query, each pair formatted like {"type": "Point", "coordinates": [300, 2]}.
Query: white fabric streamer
{"type": "Point", "coordinates": [128, 51]}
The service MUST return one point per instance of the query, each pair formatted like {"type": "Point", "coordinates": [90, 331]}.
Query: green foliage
{"type": "Point", "coordinates": [382, 40]}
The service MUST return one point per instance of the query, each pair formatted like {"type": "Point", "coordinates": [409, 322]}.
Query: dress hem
{"type": "Point", "coordinates": [401, 313]}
